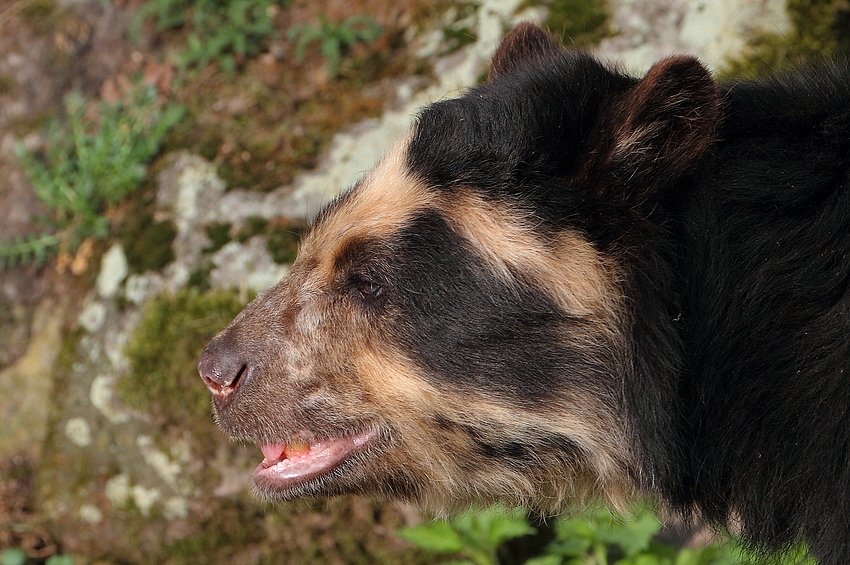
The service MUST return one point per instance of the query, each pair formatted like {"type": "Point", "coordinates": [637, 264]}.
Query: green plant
{"type": "Point", "coordinates": [460, 30]}
{"type": "Point", "coordinates": [17, 556]}
{"type": "Point", "coordinates": [605, 538]}
{"type": "Point", "coordinates": [13, 556]}
{"type": "Point", "coordinates": [89, 165]}
{"type": "Point", "coordinates": [334, 37]}
{"type": "Point", "coordinates": [219, 29]}
{"type": "Point", "coordinates": [475, 535]}
{"type": "Point", "coordinates": [596, 536]}
{"type": "Point", "coordinates": [26, 249]}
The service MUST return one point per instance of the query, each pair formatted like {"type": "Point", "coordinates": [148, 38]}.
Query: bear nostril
{"type": "Point", "coordinates": [221, 373]}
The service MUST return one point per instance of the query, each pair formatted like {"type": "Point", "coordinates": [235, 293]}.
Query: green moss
{"type": "Point", "coordinates": [219, 234]}
{"type": "Point", "coordinates": [199, 279]}
{"type": "Point", "coordinates": [151, 250]}
{"type": "Point", "coordinates": [56, 458]}
{"type": "Point", "coordinates": [164, 350]}
{"type": "Point", "coordinates": [254, 225]}
{"type": "Point", "coordinates": [459, 33]}
{"type": "Point", "coordinates": [583, 23]}
{"type": "Point", "coordinates": [246, 168]}
{"type": "Point", "coordinates": [820, 30]}
{"type": "Point", "coordinates": [40, 15]}
{"type": "Point", "coordinates": [283, 244]}
{"type": "Point", "coordinates": [7, 84]}
{"type": "Point", "coordinates": [234, 526]}
{"type": "Point", "coordinates": [283, 236]}
{"type": "Point", "coordinates": [68, 356]}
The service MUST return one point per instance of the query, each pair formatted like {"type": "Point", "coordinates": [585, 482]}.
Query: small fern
{"type": "Point", "coordinates": [334, 38]}
{"type": "Point", "coordinates": [89, 165]}
{"type": "Point", "coordinates": [27, 249]}
{"type": "Point", "coordinates": [219, 30]}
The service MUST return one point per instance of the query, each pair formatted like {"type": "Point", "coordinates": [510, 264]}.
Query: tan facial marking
{"type": "Point", "coordinates": [379, 206]}
{"type": "Point", "coordinates": [573, 272]}
{"type": "Point", "coordinates": [394, 379]}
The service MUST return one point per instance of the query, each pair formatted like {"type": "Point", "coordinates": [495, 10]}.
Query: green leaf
{"type": "Point", "coordinates": [699, 556]}
{"type": "Point", "coordinates": [571, 547]}
{"type": "Point", "coordinates": [13, 556]}
{"type": "Point", "coordinates": [633, 536]}
{"type": "Point", "coordinates": [28, 249]}
{"type": "Point", "coordinates": [346, 35]}
{"type": "Point", "coordinates": [228, 64]}
{"type": "Point", "coordinates": [436, 536]}
{"type": "Point", "coordinates": [568, 528]}
{"type": "Point", "coordinates": [645, 559]}
{"type": "Point", "coordinates": [508, 525]}
{"type": "Point", "coordinates": [331, 47]}
{"type": "Point", "coordinates": [544, 560]}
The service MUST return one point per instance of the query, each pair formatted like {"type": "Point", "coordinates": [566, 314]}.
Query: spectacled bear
{"type": "Point", "coordinates": [569, 283]}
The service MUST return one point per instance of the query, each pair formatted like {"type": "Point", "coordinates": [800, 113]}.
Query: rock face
{"type": "Point", "coordinates": [100, 384]}
{"type": "Point", "coordinates": [25, 405]}
{"type": "Point", "coordinates": [713, 31]}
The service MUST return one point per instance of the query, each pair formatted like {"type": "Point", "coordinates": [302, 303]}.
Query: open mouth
{"type": "Point", "coordinates": [286, 466]}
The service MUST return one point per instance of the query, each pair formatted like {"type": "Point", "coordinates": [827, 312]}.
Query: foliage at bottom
{"type": "Point", "coordinates": [596, 536]}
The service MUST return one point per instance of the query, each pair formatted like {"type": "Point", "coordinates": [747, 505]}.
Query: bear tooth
{"type": "Point", "coordinates": [289, 450]}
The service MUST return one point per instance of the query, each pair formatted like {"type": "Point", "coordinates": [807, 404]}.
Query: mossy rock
{"type": "Point", "coordinates": [147, 242]}
{"type": "Point", "coordinates": [283, 236]}
{"type": "Point", "coordinates": [219, 234]}
{"type": "Point", "coordinates": [163, 354]}
{"type": "Point", "coordinates": [580, 23]}
{"type": "Point", "coordinates": [283, 242]}
{"type": "Point", "coordinates": [820, 31]}
{"type": "Point", "coordinates": [342, 531]}
{"type": "Point", "coordinates": [254, 225]}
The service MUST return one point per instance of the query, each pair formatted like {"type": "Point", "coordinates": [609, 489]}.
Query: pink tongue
{"type": "Point", "coordinates": [273, 451]}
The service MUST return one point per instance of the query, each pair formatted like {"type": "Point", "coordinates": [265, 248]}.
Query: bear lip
{"type": "Point", "coordinates": [285, 466]}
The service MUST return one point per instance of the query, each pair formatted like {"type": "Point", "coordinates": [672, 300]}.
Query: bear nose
{"type": "Point", "coordinates": [222, 370]}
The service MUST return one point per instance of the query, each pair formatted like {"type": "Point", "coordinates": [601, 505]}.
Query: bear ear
{"type": "Point", "coordinates": [658, 129]}
{"type": "Point", "coordinates": [521, 45]}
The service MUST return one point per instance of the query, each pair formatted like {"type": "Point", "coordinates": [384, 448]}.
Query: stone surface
{"type": "Point", "coordinates": [646, 32]}
{"type": "Point", "coordinates": [27, 385]}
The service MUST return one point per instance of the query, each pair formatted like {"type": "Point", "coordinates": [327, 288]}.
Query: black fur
{"type": "Point", "coordinates": [764, 242]}
{"type": "Point", "coordinates": [516, 138]}
{"type": "Point", "coordinates": [469, 329]}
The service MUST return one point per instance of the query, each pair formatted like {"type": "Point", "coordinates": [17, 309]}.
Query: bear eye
{"type": "Point", "coordinates": [370, 290]}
